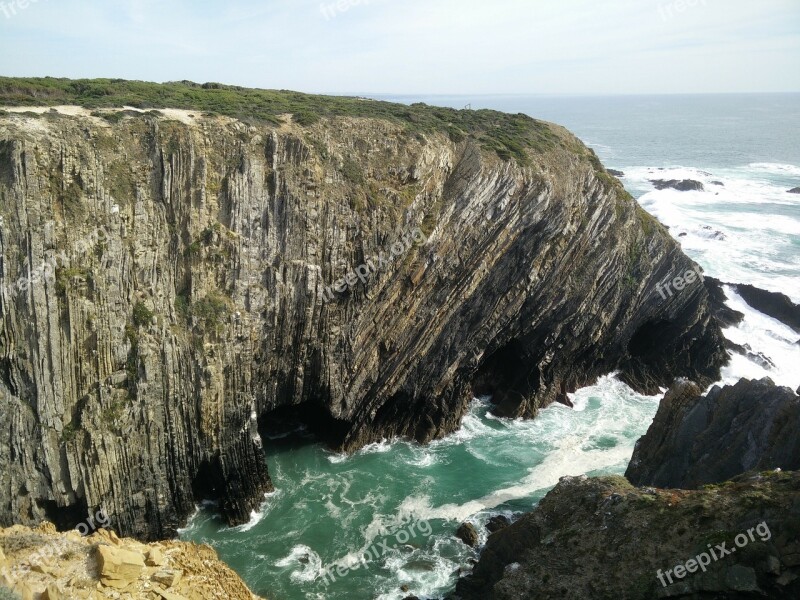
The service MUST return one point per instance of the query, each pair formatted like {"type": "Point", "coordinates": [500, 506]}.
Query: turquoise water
{"type": "Point", "coordinates": [406, 501]}
{"type": "Point", "coordinates": [329, 509]}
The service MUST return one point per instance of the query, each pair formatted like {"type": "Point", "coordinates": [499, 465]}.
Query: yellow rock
{"type": "Point", "coordinates": [119, 567]}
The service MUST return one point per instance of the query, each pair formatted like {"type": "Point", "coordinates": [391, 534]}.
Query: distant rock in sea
{"type": "Point", "coordinates": [795, 190]}
{"type": "Point", "coordinates": [684, 185]}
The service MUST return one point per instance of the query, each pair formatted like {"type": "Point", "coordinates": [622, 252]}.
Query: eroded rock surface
{"type": "Point", "coordinates": [40, 563]}
{"type": "Point", "coordinates": [603, 538]}
{"type": "Point", "coordinates": [696, 440]}
{"type": "Point", "coordinates": [136, 372]}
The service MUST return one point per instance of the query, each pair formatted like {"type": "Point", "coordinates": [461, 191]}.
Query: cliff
{"type": "Point", "coordinates": [40, 563]}
{"type": "Point", "coordinates": [603, 538]}
{"type": "Point", "coordinates": [696, 439]}
{"type": "Point", "coordinates": [175, 280]}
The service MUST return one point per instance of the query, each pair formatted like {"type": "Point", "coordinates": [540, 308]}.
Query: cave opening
{"type": "Point", "coordinates": [65, 518]}
{"type": "Point", "coordinates": [302, 424]}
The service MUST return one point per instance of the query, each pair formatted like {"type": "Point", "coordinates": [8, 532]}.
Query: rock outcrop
{"type": "Point", "coordinates": [40, 563]}
{"type": "Point", "coordinates": [683, 185]}
{"type": "Point", "coordinates": [169, 286]}
{"type": "Point", "coordinates": [696, 440]}
{"type": "Point", "coordinates": [773, 304]}
{"type": "Point", "coordinates": [603, 538]}
{"type": "Point", "coordinates": [794, 190]}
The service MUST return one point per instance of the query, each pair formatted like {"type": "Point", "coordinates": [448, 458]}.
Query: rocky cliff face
{"type": "Point", "coordinates": [169, 286]}
{"type": "Point", "coordinates": [695, 439]}
{"type": "Point", "coordinates": [603, 538]}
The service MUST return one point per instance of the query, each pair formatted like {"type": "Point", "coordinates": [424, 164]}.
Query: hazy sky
{"type": "Point", "coordinates": [414, 46]}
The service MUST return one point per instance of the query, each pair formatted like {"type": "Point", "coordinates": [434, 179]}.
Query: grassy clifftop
{"type": "Point", "coordinates": [511, 136]}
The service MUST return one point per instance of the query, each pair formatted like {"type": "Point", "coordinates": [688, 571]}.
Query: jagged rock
{"type": "Point", "coordinates": [685, 185]}
{"type": "Point", "coordinates": [208, 290]}
{"type": "Point", "coordinates": [167, 578]}
{"type": "Point", "coordinates": [724, 315]}
{"type": "Point", "coordinates": [497, 523]}
{"type": "Point", "coordinates": [615, 173]}
{"type": "Point", "coordinates": [696, 440]}
{"type": "Point", "coordinates": [773, 304]}
{"type": "Point", "coordinates": [795, 190]}
{"type": "Point", "coordinates": [52, 592]}
{"type": "Point", "coordinates": [468, 534]}
{"type": "Point", "coordinates": [85, 563]}
{"type": "Point", "coordinates": [604, 538]}
{"type": "Point", "coordinates": [155, 558]}
{"type": "Point", "coordinates": [118, 567]}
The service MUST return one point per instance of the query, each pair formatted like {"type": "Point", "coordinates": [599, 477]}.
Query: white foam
{"type": "Point", "coordinates": [776, 168]}
{"type": "Point", "coordinates": [768, 336]}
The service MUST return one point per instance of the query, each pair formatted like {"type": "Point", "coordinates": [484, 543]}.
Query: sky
{"type": "Point", "coordinates": [414, 46]}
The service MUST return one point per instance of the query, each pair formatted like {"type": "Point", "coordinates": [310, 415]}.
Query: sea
{"type": "Point", "coordinates": [380, 524]}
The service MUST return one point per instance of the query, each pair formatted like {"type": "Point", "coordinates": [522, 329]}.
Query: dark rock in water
{"type": "Point", "coordinates": [603, 538]}
{"type": "Point", "coordinates": [497, 523]}
{"type": "Point", "coordinates": [685, 185]}
{"type": "Point", "coordinates": [468, 534]}
{"type": "Point", "coordinates": [615, 173]}
{"type": "Point", "coordinates": [724, 315]}
{"type": "Point", "coordinates": [745, 350]}
{"type": "Point", "coordinates": [411, 598]}
{"type": "Point", "coordinates": [795, 190]}
{"type": "Point", "coordinates": [682, 234]}
{"type": "Point", "coordinates": [696, 440]}
{"type": "Point", "coordinates": [773, 304]}
{"type": "Point", "coordinates": [718, 183]}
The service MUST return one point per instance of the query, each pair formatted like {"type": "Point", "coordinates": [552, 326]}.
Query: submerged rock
{"type": "Point", "coordinates": [603, 538]}
{"type": "Point", "coordinates": [696, 440]}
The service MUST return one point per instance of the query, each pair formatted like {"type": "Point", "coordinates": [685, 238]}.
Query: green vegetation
{"type": "Point", "coordinates": [7, 594]}
{"type": "Point", "coordinates": [211, 309]}
{"type": "Point", "coordinates": [142, 315]}
{"type": "Point", "coordinates": [65, 275]}
{"type": "Point", "coordinates": [510, 136]}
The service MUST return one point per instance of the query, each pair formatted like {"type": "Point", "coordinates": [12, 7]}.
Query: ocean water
{"type": "Point", "coordinates": [401, 503]}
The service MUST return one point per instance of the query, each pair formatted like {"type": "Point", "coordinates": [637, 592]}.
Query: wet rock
{"type": "Point", "coordinates": [724, 315]}
{"type": "Point", "coordinates": [794, 190]}
{"type": "Point", "coordinates": [719, 183]}
{"type": "Point", "coordinates": [468, 534]}
{"type": "Point", "coordinates": [684, 185]}
{"type": "Point", "coordinates": [615, 173]}
{"type": "Point", "coordinates": [774, 304]}
{"type": "Point", "coordinates": [497, 523]}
